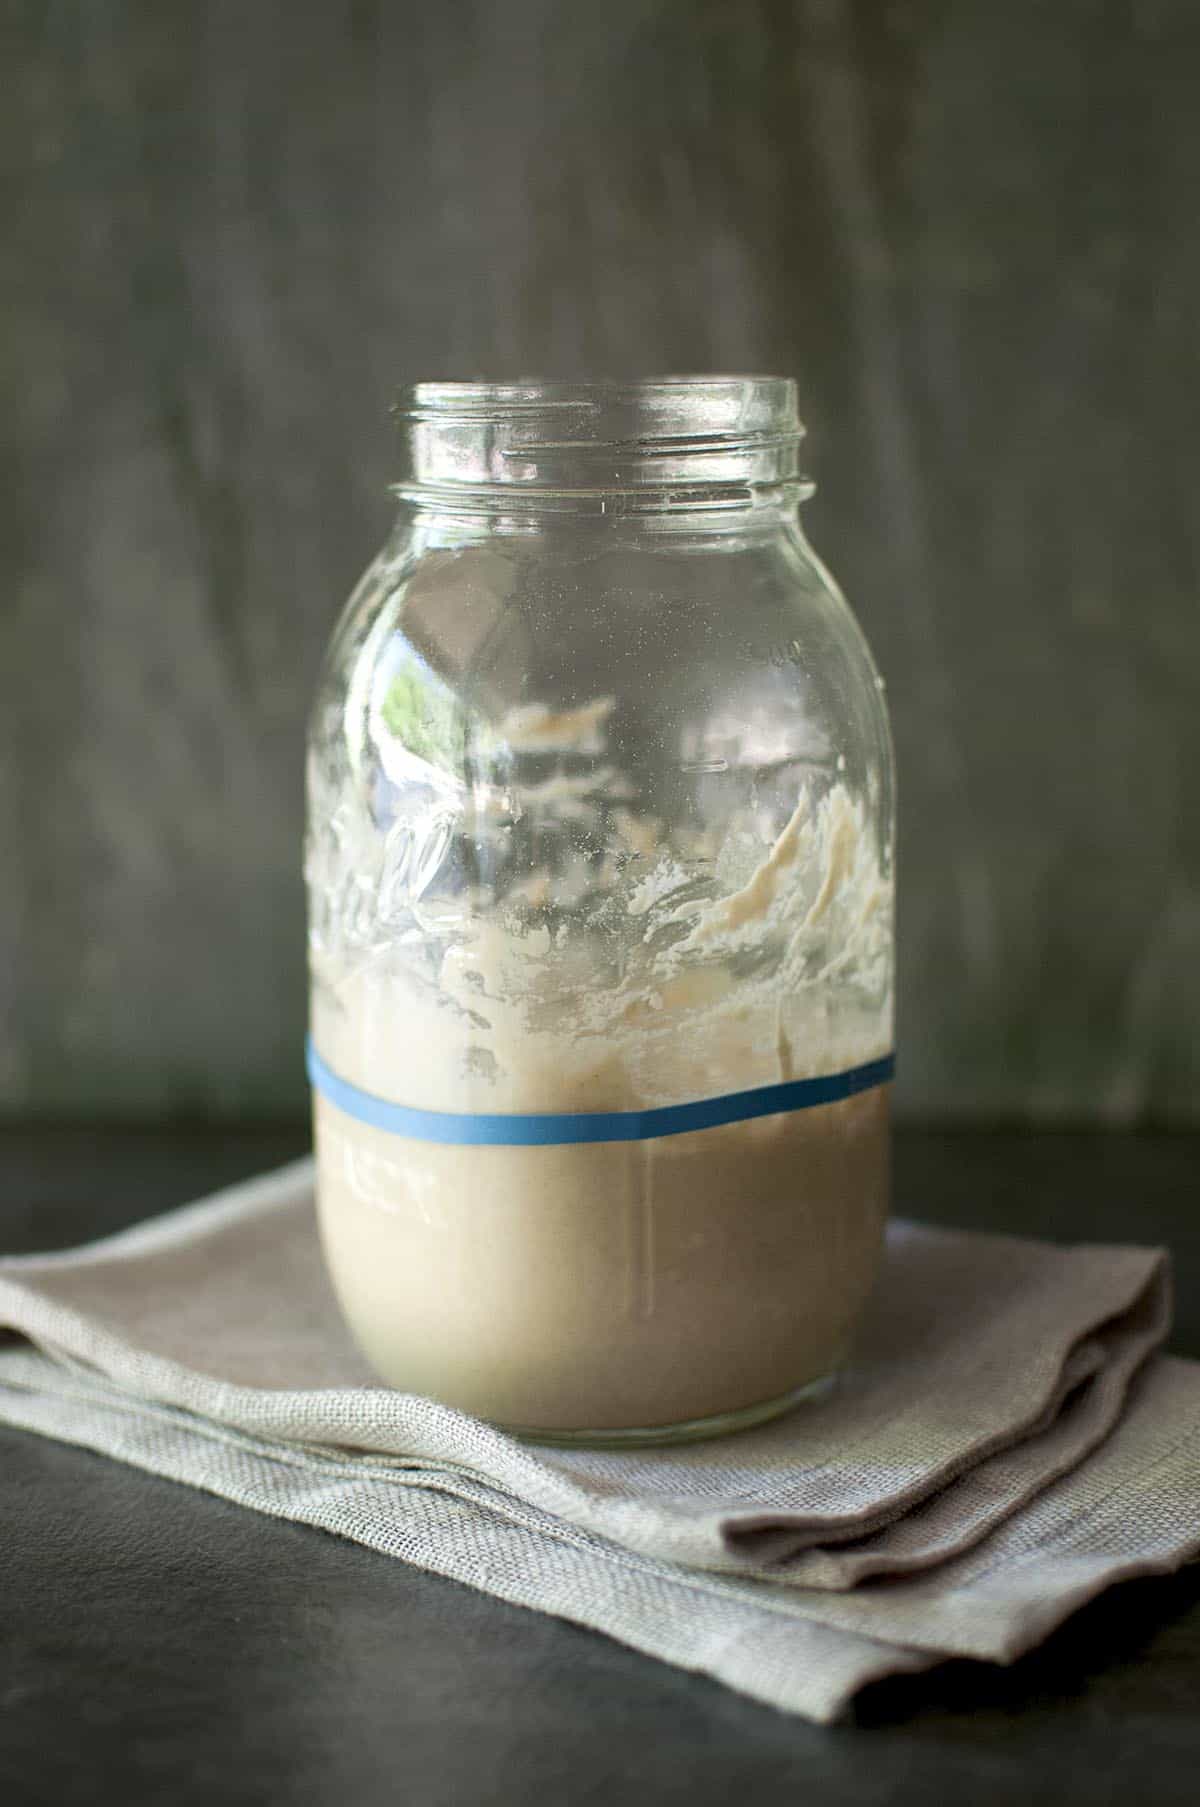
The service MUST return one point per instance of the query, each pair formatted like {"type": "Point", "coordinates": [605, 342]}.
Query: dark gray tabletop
{"type": "Point", "coordinates": [158, 1645]}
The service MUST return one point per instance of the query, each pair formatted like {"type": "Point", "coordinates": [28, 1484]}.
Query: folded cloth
{"type": "Point", "coordinates": [1005, 1445]}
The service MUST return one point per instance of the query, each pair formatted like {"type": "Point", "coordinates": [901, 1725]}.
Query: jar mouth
{"type": "Point", "coordinates": [658, 435]}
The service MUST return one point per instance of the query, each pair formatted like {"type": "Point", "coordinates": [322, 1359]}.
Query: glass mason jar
{"type": "Point", "coordinates": [600, 876]}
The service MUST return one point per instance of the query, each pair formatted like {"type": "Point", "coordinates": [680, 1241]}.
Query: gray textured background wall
{"type": "Point", "coordinates": [971, 230]}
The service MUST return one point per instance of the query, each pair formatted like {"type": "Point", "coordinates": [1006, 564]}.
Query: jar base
{"type": "Point", "coordinates": [689, 1430]}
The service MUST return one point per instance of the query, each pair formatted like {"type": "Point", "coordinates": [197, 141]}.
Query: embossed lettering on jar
{"type": "Point", "coordinates": [600, 875]}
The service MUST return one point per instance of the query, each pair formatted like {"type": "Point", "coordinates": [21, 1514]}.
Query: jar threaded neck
{"type": "Point", "coordinates": [662, 443]}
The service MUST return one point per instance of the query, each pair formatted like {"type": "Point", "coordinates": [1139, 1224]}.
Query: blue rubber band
{"type": "Point", "coordinates": [545, 1128]}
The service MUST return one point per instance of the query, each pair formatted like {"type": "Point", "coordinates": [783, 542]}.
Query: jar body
{"type": "Point", "coordinates": [600, 832]}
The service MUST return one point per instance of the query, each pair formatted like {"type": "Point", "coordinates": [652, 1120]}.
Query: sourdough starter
{"type": "Point", "coordinates": [611, 1286]}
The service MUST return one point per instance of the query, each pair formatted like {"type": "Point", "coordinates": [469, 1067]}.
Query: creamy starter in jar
{"type": "Point", "coordinates": [600, 879]}
{"type": "Point", "coordinates": [616, 1284]}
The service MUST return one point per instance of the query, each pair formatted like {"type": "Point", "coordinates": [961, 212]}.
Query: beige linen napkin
{"type": "Point", "coordinates": [1001, 1450]}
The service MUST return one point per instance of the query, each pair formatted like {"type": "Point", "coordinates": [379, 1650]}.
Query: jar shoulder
{"type": "Point", "coordinates": [695, 655]}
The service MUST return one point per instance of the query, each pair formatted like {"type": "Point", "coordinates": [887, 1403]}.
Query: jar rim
{"type": "Point", "coordinates": [723, 402]}
{"type": "Point", "coordinates": [650, 434]}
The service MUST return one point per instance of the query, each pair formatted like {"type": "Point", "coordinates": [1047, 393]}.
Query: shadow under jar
{"type": "Point", "coordinates": [600, 885]}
